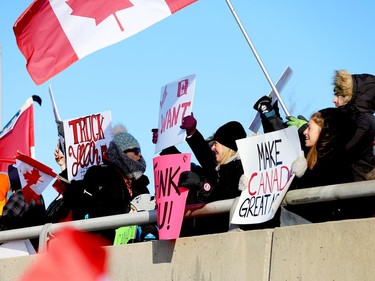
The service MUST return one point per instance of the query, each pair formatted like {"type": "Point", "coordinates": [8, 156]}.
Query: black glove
{"type": "Point", "coordinates": [263, 105]}
{"type": "Point", "coordinates": [190, 180]}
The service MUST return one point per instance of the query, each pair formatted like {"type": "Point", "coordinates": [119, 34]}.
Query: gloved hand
{"type": "Point", "coordinates": [155, 135]}
{"type": "Point", "coordinates": [190, 180]}
{"type": "Point", "coordinates": [299, 166]}
{"type": "Point", "coordinates": [263, 105]}
{"type": "Point", "coordinates": [299, 122]}
{"type": "Point", "coordinates": [189, 123]}
{"type": "Point", "coordinates": [242, 185]}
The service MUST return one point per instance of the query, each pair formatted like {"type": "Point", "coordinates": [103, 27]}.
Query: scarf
{"type": "Point", "coordinates": [128, 167]}
{"type": "Point", "coordinates": [233, 158]}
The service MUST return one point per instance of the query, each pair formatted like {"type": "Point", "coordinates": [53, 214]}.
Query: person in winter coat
{"type": "Point", "coordinates": [108, 189]}
{"type": "Point", "coordinates": [355, 95]}
{"type": "Point", "coordinates": [221, 167]}
{"type": "Point", "coordinates": [18, 212]}
{"type": "Point", "coordinates": [188, 227]}
{"type": "Point", "coordinates": [326, 135]}
{"type": "Point", "coordinates": [326, 163]}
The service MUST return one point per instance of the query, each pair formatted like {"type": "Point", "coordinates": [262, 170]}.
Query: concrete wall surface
{"type": "Point", "coordinates": [327, 251]}
{"type": "Point", "coordinates": [229, 256]}
{"type": "Point", "coordinates": [342, 251]}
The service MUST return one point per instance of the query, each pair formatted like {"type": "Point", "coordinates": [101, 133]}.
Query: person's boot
{"type": "Point", "coordinates": [271, 120]}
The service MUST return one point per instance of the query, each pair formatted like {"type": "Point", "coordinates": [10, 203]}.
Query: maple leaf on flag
{"type": "Point", "coordinates": [33, 177]}
{"type": "Point", "coordinates": [99, 9]}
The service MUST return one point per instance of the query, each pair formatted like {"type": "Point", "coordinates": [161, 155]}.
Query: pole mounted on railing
{"type": "Point", "coordinates": [257, 57]}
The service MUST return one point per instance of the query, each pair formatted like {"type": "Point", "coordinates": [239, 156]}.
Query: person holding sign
{"type": "Point", "coordinates": [221, 166]}
{"type": "Point", "coordinates": [326, 135]}
{"type": "Point", "coordinates": [188, 227]}
{"type": "Point", "coordinates": [326, 162]}
{"type": "Point", "coordinates": [108, 189]}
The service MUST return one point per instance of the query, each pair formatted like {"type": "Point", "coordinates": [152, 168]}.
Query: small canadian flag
{"type": "Point", "coordinates": [34, 176]}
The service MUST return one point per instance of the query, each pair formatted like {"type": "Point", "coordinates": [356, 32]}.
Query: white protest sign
{"type": "Point", "coordinates": [266, 160]}
{"type": "Point", "coordinates": [86, 140]}
{"type": "Point", "coordinates": [16, 248]}
{"type": "Point", "coordinates": [176, 102]}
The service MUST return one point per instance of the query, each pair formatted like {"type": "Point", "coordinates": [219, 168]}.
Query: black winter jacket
{"type": "Point", "coordinates": [361, 108]}
{"type": "Point", "coordinates": [364, 92]}
{"type": "Point", "coordinates": [224, 185]}
{"type": "Point", "coordinates": [102, 192]}
{"type": "Point", "coordinates": [225, 180]}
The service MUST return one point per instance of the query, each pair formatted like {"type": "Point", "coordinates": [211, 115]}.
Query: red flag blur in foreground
{"type": "Point", "coordinates": [18, 135]}
{"type": "Point", "coordinates": [34, 176]}
{"type": "Point", "coordinates": [53, 34]}
{"type": "Point", "coordinates": [72, 255]}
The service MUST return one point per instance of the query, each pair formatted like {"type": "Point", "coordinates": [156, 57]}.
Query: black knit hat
{"type": "Point", "coordinates": [229, 133]}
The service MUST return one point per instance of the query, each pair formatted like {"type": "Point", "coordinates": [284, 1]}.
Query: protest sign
{"type": "Point", "coordinates": [170, 199]}
{"type": "Point", "coordinates": [16, 248]}
{"type": "Point", "coordinates": [176, 102]}
{"type": "Point", "coordinates": [266, 160]}
{"type": "Point", "coordinates": [86, 141]}
{"type": "Point", "coordinates": [124, 234]}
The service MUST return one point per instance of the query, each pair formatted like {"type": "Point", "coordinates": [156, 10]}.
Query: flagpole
{"type": "Point", "coordinates": [257, 57]}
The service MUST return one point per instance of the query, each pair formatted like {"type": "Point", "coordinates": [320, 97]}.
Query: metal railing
{"type": "Point", "coordinates": [293, 197]}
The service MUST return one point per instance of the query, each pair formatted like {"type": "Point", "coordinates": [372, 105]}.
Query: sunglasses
{"type": "Point", "coordinates": [136, 150]}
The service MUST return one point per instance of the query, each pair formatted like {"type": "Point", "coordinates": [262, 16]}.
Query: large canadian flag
{"type": "Point", "coordinates": [53, 34]}
{"type": "Point", "coordinates": [18, 135]}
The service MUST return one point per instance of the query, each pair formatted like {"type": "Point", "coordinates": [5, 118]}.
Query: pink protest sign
{"type": "Point", "coordinates": [170, 199]}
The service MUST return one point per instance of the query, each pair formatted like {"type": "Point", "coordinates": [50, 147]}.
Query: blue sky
{"type": "Point", "coordinates": [313, 38]}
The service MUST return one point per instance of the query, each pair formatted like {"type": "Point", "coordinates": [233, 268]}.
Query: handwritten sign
{"type": "Point", "coordinates": [176, 102]}
{"type": "Point", "coordinates": [170, 199]}
{"type": "Point", "coordinates": [266, 160]}
{"type": "Point", "coordinates": [86, 140]}
{"type": "Point", "coordinates": [124, 234]}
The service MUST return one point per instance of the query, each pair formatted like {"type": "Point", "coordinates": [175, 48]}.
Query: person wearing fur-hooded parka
{"type": "Point", "coordinates": [355, 95]}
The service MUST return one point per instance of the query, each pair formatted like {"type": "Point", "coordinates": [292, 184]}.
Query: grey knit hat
{"type": "Point", "coordinates": [124, 141]}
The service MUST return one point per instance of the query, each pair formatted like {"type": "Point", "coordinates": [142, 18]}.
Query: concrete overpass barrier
{"type": "Point", "coordinates": [342, 250]}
